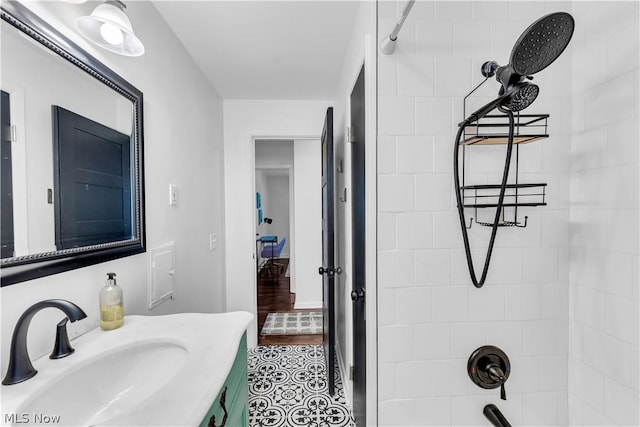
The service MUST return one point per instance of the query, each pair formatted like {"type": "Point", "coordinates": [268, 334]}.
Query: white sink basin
{"type": "Point", "coordinates": [163, 370]}
{"type": "Point", "coordinates": [109, 385]}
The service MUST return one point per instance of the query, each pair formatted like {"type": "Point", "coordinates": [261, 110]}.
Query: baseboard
{"type": "Point", "coordinates": [308, 305]}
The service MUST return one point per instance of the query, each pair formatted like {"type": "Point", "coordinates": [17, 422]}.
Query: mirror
{"type": "Point", "coordinates": [72, 175]}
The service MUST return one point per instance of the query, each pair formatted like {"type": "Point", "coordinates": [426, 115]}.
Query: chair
{"type": "Point", "coordinates": [271, 252]}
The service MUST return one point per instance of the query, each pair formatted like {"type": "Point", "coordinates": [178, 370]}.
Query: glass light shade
{"type": "Point", "coordinates": [109, 27]}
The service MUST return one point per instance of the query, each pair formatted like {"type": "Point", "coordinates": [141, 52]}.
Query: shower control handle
{"type": "Point", "coordinates": [495, 372]}
{"type": "Point", "coordinates": [489, 368]}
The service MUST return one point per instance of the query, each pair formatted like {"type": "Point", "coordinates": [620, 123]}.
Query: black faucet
{"type": "Point", "coordinates": [20, 367]}
{"type": "Point", "coordinates": [494, 415]}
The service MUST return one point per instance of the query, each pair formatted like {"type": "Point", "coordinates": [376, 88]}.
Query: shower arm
{"type": "Point", "coordinates": [456, 178]}
{"type": "Point", "coordinates": [388, 44]}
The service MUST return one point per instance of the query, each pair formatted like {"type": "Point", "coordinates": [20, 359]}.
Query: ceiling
{"type": "Point", "coordinates": [265, 49]}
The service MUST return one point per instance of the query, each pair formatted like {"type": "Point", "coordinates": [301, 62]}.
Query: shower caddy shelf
{"type": "Point", "coordinates": [490, 130]}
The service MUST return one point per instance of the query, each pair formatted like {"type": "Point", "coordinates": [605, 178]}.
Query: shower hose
{"type": "Point", "coordinates": [456, 177]}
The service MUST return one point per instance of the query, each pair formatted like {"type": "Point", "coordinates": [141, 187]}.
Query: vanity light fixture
{"type": "Point", "coordinates": [109, 27]}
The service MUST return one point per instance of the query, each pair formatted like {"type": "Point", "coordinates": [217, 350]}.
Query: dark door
{"type": "Point", "coordinates": [7, 180]}
{"type": "Point", "coordinates": [92, 179]}
{"type": "Point", "coordinates": [328, 268]}
{"type": "Point", "coordinates": [358, 293]}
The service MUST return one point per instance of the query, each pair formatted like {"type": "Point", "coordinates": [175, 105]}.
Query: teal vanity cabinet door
{"type": "Point", "coordinates": [231, 405]}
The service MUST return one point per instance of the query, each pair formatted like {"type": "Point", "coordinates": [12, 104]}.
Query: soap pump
{"type": "Point", "coordinates": [111, 305]}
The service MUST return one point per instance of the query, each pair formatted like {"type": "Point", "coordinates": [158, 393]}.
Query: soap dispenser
{"type": "Point", "coordinates": [111, 306]}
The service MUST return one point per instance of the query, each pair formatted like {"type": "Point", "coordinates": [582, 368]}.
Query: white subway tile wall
{"type": "Point", "coordinates": [603, 288]}
{"type": "Point", "coordinates": [561, 297]}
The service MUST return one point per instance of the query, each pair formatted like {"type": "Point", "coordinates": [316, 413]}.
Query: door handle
{"type": "Point", "coordinates": [330, 271]}
{"type": "Point", "coordinates": [355, 295]}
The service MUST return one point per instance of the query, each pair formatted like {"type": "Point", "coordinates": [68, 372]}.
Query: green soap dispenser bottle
{"type": "Point", "coordinates": [111, 306]}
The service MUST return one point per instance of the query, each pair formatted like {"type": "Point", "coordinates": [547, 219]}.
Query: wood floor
{"type": "Point", "coordinates": [274, 295]}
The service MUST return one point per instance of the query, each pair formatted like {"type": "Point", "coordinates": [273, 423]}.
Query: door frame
{"type": "Point", "coordinates": [367, 57]}
{"type": "Point", "coordinates": [357, 233]}
{"type": "Point", "coordinates": [371, 223]}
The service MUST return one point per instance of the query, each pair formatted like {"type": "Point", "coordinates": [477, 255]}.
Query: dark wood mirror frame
{"type": "Point", "coordinates": [23, 268]}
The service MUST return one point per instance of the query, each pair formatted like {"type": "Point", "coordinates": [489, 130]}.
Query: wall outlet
{"type": "Point", "coordinates": [173, 195]}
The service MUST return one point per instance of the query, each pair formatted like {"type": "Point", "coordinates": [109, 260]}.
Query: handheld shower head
{"type": "Point", "coordinates": [521, 96]}
{"type": "Point", "coordinates": [517, 97]}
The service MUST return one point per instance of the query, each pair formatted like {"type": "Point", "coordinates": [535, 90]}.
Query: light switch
{"type": "Point", "coordinates": [173, 195]}
{"type": "Point", "coordinates": [213, 241]}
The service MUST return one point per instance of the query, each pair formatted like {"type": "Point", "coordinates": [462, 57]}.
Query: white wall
{"type": "Point", "coordinates": [307, 199]}
{"type": "Point", "coordinates": [274, 153]}
{"type": "Point", "coordinates": [244, 121]}
{"type": "Point", "coordinates": [431, 318]}
{"type": "Point", "coordinates": [604, 286]}
{"type": "Point", "coordinates": [183, 146]}
{"type": "Point", "coordinates": [278, 210]}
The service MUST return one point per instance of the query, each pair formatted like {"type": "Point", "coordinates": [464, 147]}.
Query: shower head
{"type": "Point", "coordinates": [542, 43]}
{"type": "Point", "coordinates": [521, 96]}
{"type": "Point", "coordinates": [538, 46]}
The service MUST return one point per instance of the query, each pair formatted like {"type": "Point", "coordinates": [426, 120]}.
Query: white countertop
{"type": "Point", "coordinates": [211, 342]}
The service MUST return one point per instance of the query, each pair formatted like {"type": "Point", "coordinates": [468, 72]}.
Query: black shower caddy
{"type": "Point", "coordinates": [493, 129]}
{"type": "Point", "coordinates": [538, 46]}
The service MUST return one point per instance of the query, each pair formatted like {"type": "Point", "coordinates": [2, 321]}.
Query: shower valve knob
{"type": "Point", "coordinates": [489, 368]}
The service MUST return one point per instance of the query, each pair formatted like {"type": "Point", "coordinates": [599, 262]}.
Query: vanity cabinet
{"type": "Point", "coordinates": [233, 396]}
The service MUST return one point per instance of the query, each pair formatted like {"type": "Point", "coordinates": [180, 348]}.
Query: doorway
{"type": "Point", "coordinates": [285, 226]}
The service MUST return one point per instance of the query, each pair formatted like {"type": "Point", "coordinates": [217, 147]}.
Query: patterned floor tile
{"type": "Point", "coordinates": [288, 386]}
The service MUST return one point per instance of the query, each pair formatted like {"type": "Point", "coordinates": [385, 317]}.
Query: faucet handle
{"type": "Point", "coordinates": [489, 368]}
{"type": "Point", "coordinates": [62, 347]}
{"type": "Point", "coordinates": [495, 373]}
